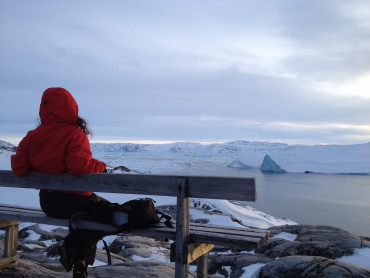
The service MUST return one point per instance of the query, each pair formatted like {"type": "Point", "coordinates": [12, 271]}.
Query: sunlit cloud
{"type": "Point", "coordinates": [358, 86]}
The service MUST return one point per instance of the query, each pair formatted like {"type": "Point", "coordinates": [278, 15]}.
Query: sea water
{"type": "Point", "coordinates": [320, 199]}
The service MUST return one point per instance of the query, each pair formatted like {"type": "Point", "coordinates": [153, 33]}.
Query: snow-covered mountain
{"type": "Point", "coordinates": [235, 147]}
{"type": "Point", "coordinates": [7, 146]}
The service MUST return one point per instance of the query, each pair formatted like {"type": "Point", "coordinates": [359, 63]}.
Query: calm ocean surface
{"type": "Point", "coordinates": [326, 199]}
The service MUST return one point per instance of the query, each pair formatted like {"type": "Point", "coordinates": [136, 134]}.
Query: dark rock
{"type": "Point", "coordinates": [201, 220]}
{"type": "Point", "coordinates": [120, 169]}
{"type": "Point", "coordinates": [23, 245]}
{"type": "Point", "coordinates": [142, 269]}
{"type": "Point", "coordinates": [117, 245]}
{"type": "Point", "coordinates": [312, 240]}
{"type": "Point", "coordinates": [128, 246]}
{"type": "Point", "coordinates": [311, 267]}
{"type": "Point", "coordinates": [52, 250]}
{"type": "Point", "coordinates": [235, 261]}
{"type": "Point", "coordinates": [282, 248]}
{"type": "Point", "coordinates": [32, 269]}
{"type": "Point", "coordinates": [57, 234]}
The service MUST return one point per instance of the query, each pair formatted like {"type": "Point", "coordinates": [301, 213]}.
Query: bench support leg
{"type": "Point", "coordinates": [202, 266]}
{"type": "Point", "coordinates": [10, 258]}
{"type": "Point", "coordinates": [182, 229]}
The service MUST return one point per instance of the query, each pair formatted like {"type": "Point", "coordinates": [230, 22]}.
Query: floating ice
{"type": "Point", "coordinates": [269, 165]}
{"type": "Point", "coordinates": [238, 164]}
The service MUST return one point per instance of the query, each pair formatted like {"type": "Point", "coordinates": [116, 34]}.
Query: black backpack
{"type": "Point", "coordinates": [97, 223]}
{"type": "Point", "coordinates": [141, 214]}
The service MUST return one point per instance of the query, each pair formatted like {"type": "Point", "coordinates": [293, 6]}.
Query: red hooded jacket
{"type": "Point", "coordinates": [58, 145]}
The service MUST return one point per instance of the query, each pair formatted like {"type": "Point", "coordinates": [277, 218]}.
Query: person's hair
{"type": "Point", "coordinates": [81, 123]}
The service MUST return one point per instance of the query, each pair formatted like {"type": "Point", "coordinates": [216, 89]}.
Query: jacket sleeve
{"type": "Point", "coordinates": [79, 158]}
{"type": "Point", "coordinates": [20, 162]}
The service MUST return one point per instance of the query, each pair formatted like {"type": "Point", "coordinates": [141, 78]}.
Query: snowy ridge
{"type": "Point", "coordinates": [195, 148]}
{"type": "Point", "coordinates": [7, 146]}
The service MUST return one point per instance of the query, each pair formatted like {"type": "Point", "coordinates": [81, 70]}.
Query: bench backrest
{"type": "Point", "coordinates": [228, 188]}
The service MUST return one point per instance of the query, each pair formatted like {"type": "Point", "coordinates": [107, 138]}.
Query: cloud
{"type": "Point", "coordinates": [192, 70]}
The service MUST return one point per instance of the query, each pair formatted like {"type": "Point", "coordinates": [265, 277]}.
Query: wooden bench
{"type": "Point", "coordinates": [192, 240]}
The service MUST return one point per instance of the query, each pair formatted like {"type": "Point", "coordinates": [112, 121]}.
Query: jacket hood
{"type": "Point", "coordinates": [57, 106]}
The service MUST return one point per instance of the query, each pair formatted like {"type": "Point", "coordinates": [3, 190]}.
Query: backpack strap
{"type": "Point", "coordinates": [168, 218]}
{"type": "Point", "coordinates": [108, 252]}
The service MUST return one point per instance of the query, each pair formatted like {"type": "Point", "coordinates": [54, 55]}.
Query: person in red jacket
{"type": "Point", "coordinates": [60, 145]}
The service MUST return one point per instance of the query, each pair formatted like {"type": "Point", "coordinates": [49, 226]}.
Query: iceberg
{"type": "Point", "coordinates": [239, 165]}
{"type": "Point", "coordinates": [270, 166]}
{"type": "Point", "coordinates": [333, 159]}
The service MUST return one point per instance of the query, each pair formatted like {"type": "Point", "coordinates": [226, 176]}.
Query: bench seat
{"type": "Point", "coordinates": [193, 241]}
{"type": "Point", "coordinates": [234, 237]}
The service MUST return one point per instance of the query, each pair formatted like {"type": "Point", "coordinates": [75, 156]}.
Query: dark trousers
{"type": "Point", "coordinates": [63, 205]}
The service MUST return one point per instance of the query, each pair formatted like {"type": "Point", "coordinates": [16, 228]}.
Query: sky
{"type": "Point", "coordinates": [296, 72]}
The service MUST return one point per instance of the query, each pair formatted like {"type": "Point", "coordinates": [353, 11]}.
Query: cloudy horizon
{"type": "Point", "coordinates": [194, 71]}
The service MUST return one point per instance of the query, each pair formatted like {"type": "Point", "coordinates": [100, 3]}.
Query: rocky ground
{"type": "Point", "coordinates": [312, 252]}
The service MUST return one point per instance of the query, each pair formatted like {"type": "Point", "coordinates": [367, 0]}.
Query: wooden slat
{"type": "Point", "coordinates": [202, 266]}
{"type": "Point", "coordinates": [249, 233]}
{"type": "Point", "coordinates": [243, 231]}
{"type": "Point", "coordinates": [153, 233]}
{"type": "Point", "coordinates": [182, 229]}
{"type": "Point", "coordinates": [10, 242]}
{"type": "Point", "coordinates": [234, 228]}
{"type": "Point", "coordinates": [5, 223]}
{"type": "Point", "coordinates": [241, 242]}
{"type": "Point", "coordinates": [33, 218]}
{"type": "Point", "coordinates": [194, 250]}
{"type": "Point", "coordinates": [225, 237]}
{"type": "Point", "coordinates": [21, 210]}
{"type": "Point", "coordinates": [9, 262]}
{"type": "Point", "coordinates": [233, 241]}
{"type": "Point", "coordinates": [225, 230]}
{"type": "Point", "coordinates": [20, 207]}
{"type": "Point", "coordinates": [226, 188]}
{"type": "Point", "coordinates": [229, 188]}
